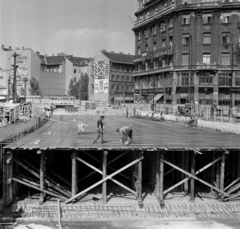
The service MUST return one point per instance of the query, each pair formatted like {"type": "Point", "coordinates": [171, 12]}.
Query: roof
{"type": "Point", "coordinates": [147, 135]}
{"type": "Point", "coordinates": [119, 57]}
{"type": "Point", "coordinates": [54, 60]}
{"type": "Point", "coordinates": [79, 61]}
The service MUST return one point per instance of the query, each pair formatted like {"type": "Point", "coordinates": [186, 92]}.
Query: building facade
{"type": "Point", "coordinates": [113, 77]}
{"type": "Point", "coordinates": [184, 51]}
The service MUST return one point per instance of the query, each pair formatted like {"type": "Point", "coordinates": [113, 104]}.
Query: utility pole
{"type": "Point", "coordinates": [231, 83]}
{"type": "Point", "coordinates": [15, 77]}
{"type": "Point", "coordinates": [190, 72]}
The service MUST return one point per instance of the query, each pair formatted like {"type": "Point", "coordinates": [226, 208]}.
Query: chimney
{"type": "Point", "coordinates": [23, 47]}
{"type": "Point", "coordinates": [129, 54]}
{"type": "Point", "coordinates": [10, 47]}
{"type": "Point", "coordinates": [120, 52]}
{"type": "Point", "coordinates": [53, 54]}
{"type": "Point", "coordinates": [104, 50]}
{"type": "Point", "coordinates": [45, 55]}
{"type": "Point", "coordinates": [38, 53]}
{"type": "Point", "coordinates": [2, 46]}
{"type": "Point", "coordinates": [112, 51]}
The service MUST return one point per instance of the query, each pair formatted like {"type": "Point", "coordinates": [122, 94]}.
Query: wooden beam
{"type": "Point", "coordinates": [194, 176]}
{"type": "Point", "coordinates": [101, 181]}
{"type": "Point", "coordinates": [42, 176]}
{"type": "Point", "coordinates": [218, 175]}
{"type": "Point", "coordinates": [222, 175]}
{"type": "Point", "coordinates": [74, 173]}
{"type": "Point", "coordinates": [192, 183]}
{"type": "Point", "coordinates": [157, 175]}
{"type": "Point", "coordinates": [66, 182]}
{"type": "Point", "coordinates": [183, 167]}
{"type": "Point", "coordinates": [238, 164]}
{"type": "Point", "coordinates": [186, 169]}
{"type": "Point", "coordinates": [39, 189]}
{"type": "Point", "coordinates": [139, 181]}
{"type": "Point", "coordinates": [104, 169]}
{"type": "Point", "coordinates": [213, 169]}
{"type": "Point", "coordinates": [161, 179]}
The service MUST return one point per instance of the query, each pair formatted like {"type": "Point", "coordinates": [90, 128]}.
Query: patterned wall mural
{"type": "Point", "coordinates": [101, 75]}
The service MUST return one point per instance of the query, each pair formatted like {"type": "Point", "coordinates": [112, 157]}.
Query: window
{"type": "Point", "coordinates": [163, 43]}
{"type": "Point", "coordinates": [226, 18]}
{"type": "Point", "coordinates": [185, 79]}
{"type": "Point", "coordinates": [122, 78]}
{"type": "Point", "coordinates": [139, 51]}
{"type": "Point", "coordinates": [185, 59]}
{"type": "Point", "coordinates": [156, 10]}
{"type": "Point", "coordinates": [206, 58]}
{"type": "Point", "coordinates": [162, 27]}
{"type": "Point", "coordinates": [207, 18]}
{"type": "Point", "coordinates": [148, 15]}
{"type": "Point", "coordinates": [185, 39]}
{"type": "Point", "coordinates": [127, 78]}
{"type": "Point", "coordinates": [226, 38]}
{"type": "Point", "coordinates": [74, 70]}
{"type": "Point", "coordinates": [139, 36]}
{"type": "Point", "coordinates": [145, 33]}
{"type": "Point", "coordinates": [117, 78]}
{"type": "Point", "coordinates": [206, 38]}
{"type": "Point", "coordinates": [171, 41]}
{"type": "Point", "coordinates": [205, 79]}
{"type": "Point", "coordinates": [170, 23]}
{"type": "Point", "coordinates": [237, 81]}
{"type": "Point", "coordinates": [186, 1]}
{"type": "Point", "coordinates": [146, 48]}
{"type": "Point", "coordinates": [225, 59]}
{"type": "Point", "coordinates": [1, 77]}
{"type": "Point", "coordinates": [154, 47]}
{"type": "Point", "coordinates": [185, 19]}
{"type": "Point", "coordinates": [112, 77]}
{"type": "Point", "coordinates": [224, 79]}
{"type": "Point", "coordinates": [154, 30]}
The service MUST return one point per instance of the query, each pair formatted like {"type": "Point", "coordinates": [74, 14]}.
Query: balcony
{"type": "Point", "coordinates": [153, 71]}
{"type": "Point", "coordinates": [208, 4]}
{"type": "Point", "coordinates": [206, 67]}
{"type": "Point", "coordinates": [154, 17]}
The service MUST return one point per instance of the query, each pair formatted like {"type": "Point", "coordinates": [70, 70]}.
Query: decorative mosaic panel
{"type": "Point", "coordinates": [101, 69]}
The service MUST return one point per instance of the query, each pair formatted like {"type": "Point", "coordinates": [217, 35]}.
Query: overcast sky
{"type": "Point", "coordinates": [77, 27]}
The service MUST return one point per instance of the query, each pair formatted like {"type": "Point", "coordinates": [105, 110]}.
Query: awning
{"type": "Point", "coordinates": [157, 97]}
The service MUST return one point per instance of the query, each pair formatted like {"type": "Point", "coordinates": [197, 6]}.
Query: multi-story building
{"type": "Point", "coordinates": [184, 51]}
{"type": "Point", "coordinates": [113, 77]}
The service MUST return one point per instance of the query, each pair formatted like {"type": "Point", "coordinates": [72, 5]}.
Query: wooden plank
{"type": "Point", "coordinates": [192, 182]}
{"type": "Point", "coordinates": [99, 171]}
{"type": "Point", "coordinates": [104, 169]}
{"type": "Point", "coordinates": [161, 179]}
{"type": "Point", "coordinates": [194, 176]}
{"type": "Point", "coordinates": [36, 188]}
{"type": "Point", "coordinates": [101, 181]}
{"type": "Point", "coordinates": [42, 177]}
{"type": "Point", "coordinates": [61, 178]}
{"type": "Point", "coordinates": [74, 173]}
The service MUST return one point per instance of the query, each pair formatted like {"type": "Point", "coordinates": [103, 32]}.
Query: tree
{"type": "Point", "coordinates": [34, 87]}
{"type": "Point", "coordinates": [84, 86]}
{"type": "Point", "coordinates": [79, 89]}
{"type": "Point", "coordinates": [237, 53]}
{"type": "Point", "coordinates": [22, 91]}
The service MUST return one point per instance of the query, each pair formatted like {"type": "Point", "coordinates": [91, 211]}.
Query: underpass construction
{"type": "Point", "coordinates": [169, 170]}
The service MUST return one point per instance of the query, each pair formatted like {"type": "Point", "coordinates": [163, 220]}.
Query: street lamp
{"type": "Point", "coordinates": [15, 77]}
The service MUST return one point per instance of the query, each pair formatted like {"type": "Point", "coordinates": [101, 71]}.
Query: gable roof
{"type": "Point", "coordinates": [79, 61]}
{"type": "Point", "coordinates": [119, 57]}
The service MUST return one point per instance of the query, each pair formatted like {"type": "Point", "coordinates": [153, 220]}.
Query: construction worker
{"type": "Point", "coordinates": [100, 129]}
{"type": "Point", "coordinates": [126, 132]}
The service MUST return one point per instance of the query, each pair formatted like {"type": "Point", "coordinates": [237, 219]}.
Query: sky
{"type": "Point", "coordinates": [75, 27]}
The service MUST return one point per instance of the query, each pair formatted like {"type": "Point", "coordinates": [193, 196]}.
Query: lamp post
{"type": "Point", "coordinates": [9, 84]}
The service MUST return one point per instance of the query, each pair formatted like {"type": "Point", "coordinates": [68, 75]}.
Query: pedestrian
{"type": "Point", "coordinates": [126, 132]}
{"type": "Point", "coordinates": [134, 111]}
{"type": "Point", "coordinates": [100, 129]}
{"type": "Point", "coordinates": [126, 112]}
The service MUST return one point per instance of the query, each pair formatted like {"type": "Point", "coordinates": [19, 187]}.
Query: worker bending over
{"type": "Point", "coordinates": [126, 132]}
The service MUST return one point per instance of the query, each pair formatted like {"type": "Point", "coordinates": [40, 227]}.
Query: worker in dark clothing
{"type": "Point", "coordinates": [100, 129]}
{"type": "Point", "coordinates": [126, 132]}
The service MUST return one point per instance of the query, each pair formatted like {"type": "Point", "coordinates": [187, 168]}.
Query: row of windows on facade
{"type": "Point", "coordinates": [207, 18]}
{"type": "Point", "coordinates": [121, 87]}
{"type": "Point", "coordinates": [226, 40]}
{"type": "Point", "coordinates": [57, 69]}
{"type": "Point", "coordinates": [114, 68]}
{"type": "Point", "coordinates": [121, 78]}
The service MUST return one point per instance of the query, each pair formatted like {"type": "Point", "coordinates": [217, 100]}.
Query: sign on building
{"type": "Point", "coordinates": [101, 75]}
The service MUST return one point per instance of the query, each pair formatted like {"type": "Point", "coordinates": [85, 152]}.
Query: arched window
{"type": "Point", "coordinates": [148, 15]}
{"type": "Point", "coordinates": [156, 10]}
{"type": "Point", "coordinates": [165, 6]}
{"type": "Point", "coordinates": [173, 2]}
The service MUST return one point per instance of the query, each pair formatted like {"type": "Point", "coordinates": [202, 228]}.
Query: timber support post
{"type": "Point", "coordinates": [192, 183]}
{"type": "Point", "coordinates": [157, 175]}
{"type": "Point", "coordinates": [222, 176]}
{"type": "Point", "coordinates": [186, 168]}
{"type": "Point", "coordinates": [42, 175]}
{"type": "Point", "coordinates": [139, 181]}
{"type": "Point", "coordinates": [74, 173]}
{"type": "Point", "coordinates": [161, 201]}
{"type": "Point", "coordinates": [104, 175]}
{"type": "Point", "coordinates": [218, 175]}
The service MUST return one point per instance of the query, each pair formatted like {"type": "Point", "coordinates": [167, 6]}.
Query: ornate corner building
{"type": "Point", "coordinates": [185, 51]}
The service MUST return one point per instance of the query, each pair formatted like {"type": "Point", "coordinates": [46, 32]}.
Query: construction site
{"type": "Point", "coordinates": [169, 170]}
